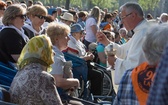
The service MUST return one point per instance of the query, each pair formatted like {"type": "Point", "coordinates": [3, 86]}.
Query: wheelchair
{"type": "Point", "coordinates": [81, 67]}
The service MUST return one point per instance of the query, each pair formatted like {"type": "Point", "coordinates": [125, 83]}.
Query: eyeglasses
{"type": "Point", "coordinates": [21, 16]}
{"type": "Point", "coordinates": [41, 17]}
{"type": "Point", "coordinates": [3, 9]}
{"type": "Point", "coordinates": [125, 16]}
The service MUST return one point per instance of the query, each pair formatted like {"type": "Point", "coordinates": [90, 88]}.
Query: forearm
{"type": "Point", "coordinates": [66, 83]}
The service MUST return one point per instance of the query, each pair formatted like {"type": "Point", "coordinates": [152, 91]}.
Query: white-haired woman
{"type": "Point", "coordinates": [135, 84]}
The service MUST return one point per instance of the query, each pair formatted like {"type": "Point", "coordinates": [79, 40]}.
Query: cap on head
{"type": "Point", "coordinates": [76, 28]}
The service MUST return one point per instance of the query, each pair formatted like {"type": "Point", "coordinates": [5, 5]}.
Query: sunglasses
{"type": "Point", "coordinates": [41, 17]}
{"type": "Point", "coordinates": [22, 16]}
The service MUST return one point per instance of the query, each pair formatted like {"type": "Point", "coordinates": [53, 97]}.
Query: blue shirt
{"type": "Point", "coordinates": [126, 94]}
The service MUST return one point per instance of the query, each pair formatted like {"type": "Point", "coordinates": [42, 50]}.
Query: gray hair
{"type": "Point", "coordinates": [130, 6]}
{"type": "Point", "coordinates": [11, 12]}
{"type": "Point", "coordinates": [123, 29]}
{"type": "Point", "coordinates": [156, 40]}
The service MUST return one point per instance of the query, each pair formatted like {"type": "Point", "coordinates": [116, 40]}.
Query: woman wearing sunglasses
{"type": "Point", "coordinates": [37, 15]}
{"type": "Point", "coordinates": [12, 37]}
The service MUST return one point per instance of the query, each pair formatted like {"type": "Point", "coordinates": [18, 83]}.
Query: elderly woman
{"type": "Point", "coordinates": [135, 84]}
{"type": "Point", "coordinates": [12, 37]}
{"type": "Point", "coordinates": [58, 33]}
{"type": "Point", "coordinates": [92, 26]}
{"type": "Point", "coordinates": [77, 48]}
{"type": "Point", "coordinates": [32, 83]}
{"type": "Point", "coordinates": [37, 15]}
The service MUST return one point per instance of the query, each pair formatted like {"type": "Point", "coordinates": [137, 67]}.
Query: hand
{"type": "Point", "coordinates": [111, 60]}
{"type": "Point", "coordinates": [101, 37]}
{"type": "Point", "coordinates": [91, 56]}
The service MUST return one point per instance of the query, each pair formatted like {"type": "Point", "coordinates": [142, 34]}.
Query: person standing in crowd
{"type": "Point", "coordinates": [163, 18]}
{"type": "Point", "coordinates": [75, 15]}
{"type": "Point", "coordinates": [106, 23]}
{"type": "Point", "coordinates": [58, 34]}
{"type": "Point", "coordinates": [82, 18]}
{"type": "Point", "coordinates": [123, 33]}
{"type": "Point", "coordinates": [149, 16]}
{"type": "Point", "coordinates": [54, 15]}
{"type": "Point", "coordinates": [92, 26]}
{"type": "Point", "coordinates": [130, 54]}
{"type": "Point", "coordinates": [12, 37]}
{"type": "Point", "coordinates": [2, 9]}
{"type": "Point", "coordinates": [37, 15]}
{"type": "Point", "coordinates": [136, 83]}
{"type": "Point", "coordinates": [32, 83]}
{"type": "Point", "coordinates": [67, 18]}
{"type": "Point", "coordinates": [29, 3]}
{"type": "Point", "coordinates": [102, 58]}
{"type": "Point", "coordinates": [59, 13]}
{"type": "Point", "coordinates": [9, 3]}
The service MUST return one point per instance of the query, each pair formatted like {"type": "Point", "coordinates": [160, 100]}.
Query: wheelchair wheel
{"type": "Point", "coordinates": [107, 84]}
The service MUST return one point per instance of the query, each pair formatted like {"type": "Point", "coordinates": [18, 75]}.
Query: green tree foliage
{"type": "Point", "coordinates": [111, 4]}
{"type": "Point", "coordinates": [148, 4]}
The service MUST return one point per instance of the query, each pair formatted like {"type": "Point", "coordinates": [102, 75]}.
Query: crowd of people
{"type": "Point", "coordinates": [34, 41]}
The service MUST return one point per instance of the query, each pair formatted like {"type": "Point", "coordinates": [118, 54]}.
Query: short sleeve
{"type": "Point", "coordinates": [100, 48]}
{"type": "Point", "coordinates": [57, 66]}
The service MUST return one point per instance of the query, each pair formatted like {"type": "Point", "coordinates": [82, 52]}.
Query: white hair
{"type": "Point", "coordinates": [155, 41]}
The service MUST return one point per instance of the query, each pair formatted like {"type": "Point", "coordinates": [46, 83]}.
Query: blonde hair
{"type": "Point", "coordinates": [95, 13]}
{"type": "Point", "coordinates": [56, 30]}
{"type": "Point", "coordinates": [37, 10]}
{"type": "Point", "coordinates": [11, 12]}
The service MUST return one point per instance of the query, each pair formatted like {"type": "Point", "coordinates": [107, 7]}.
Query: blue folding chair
{"type": "Point", "coordinates": [7, 73]}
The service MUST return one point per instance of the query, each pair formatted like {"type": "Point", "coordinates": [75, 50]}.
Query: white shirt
{"type": "Point", "coordinates": [77, 45]}
{"type": "Point", "coordinates": [130, 54]}
{"type": "Point", "coordinates": [90, 37]}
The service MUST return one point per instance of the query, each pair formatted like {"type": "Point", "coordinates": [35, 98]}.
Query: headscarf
{"type": "Point", "coordinates": [37, 50]}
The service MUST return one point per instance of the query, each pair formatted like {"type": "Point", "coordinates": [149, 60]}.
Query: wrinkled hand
{"type": "Point", "coordinates": [91, 56]}
{"type": "Point", "coordinates": [111, 60]}
{"type": "Point", "coordinates": [101, 37]}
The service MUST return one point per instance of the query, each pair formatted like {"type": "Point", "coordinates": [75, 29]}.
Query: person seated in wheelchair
{"type": "Point", "coordinates": [61, 69]}
{"type": "Point", "coordinates": [77, 48]}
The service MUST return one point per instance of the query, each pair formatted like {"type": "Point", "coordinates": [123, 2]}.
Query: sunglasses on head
{"type": "Point", "coordinates": [21, 16]}
{"type": "Point", "coordinates": [41, 17]}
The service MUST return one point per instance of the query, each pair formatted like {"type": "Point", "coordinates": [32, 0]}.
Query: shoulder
{"type": "Point", "coordinates": [47, 77]}
{"type": "Point", "coordinates": [9, 33]}
{"type": "Point", "coordinates": [8, 30]}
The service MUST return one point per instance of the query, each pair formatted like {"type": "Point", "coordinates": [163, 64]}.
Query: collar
{"type": "Point", "coordinates": [139, 26]}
